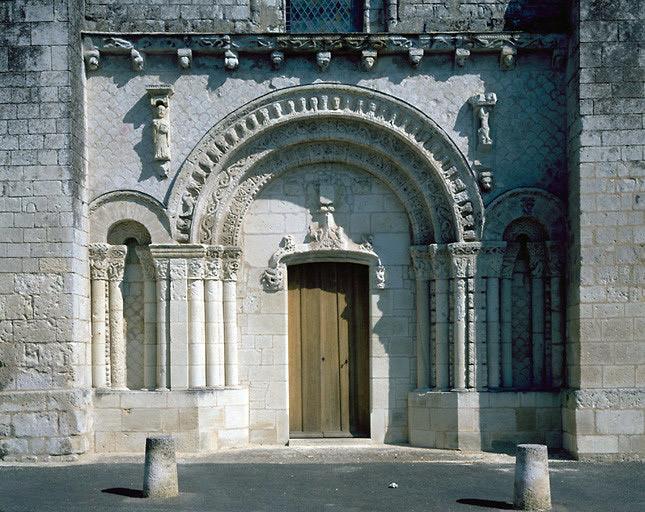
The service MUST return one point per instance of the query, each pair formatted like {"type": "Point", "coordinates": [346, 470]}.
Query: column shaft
{"type": "Point", "coordinates": [117, 337]}
{"type": "Point", "coordinates": [149, 333]}
{"type": "Point", "coordinates": [162, 332]}
{"type": "Point", "coordinates": [537, 329]}
{"type": "Point", "coordinates": [459, 326]}
{"type": "Point", "coordinates": [230, 332]}
{"type": "Point", "coordinates": [214, 334]}
{"type": "Point", "coordinates": [423, 332]}
{"type": "Point", "coordinates": [196, 345]}
{"type": "Point", "coordinates": [556, 333]}
{"type": "Point", "coordinates": [99, 367]}
{"type": "Point", "coordinates": [442, 367]}
{"type": "Point", "coordinates": [492, 331]}
{"type": "Point", "coordinates": [507, 333]}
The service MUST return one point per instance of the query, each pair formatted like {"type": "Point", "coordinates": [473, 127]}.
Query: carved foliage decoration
{"type": "Point", "coordinates": [326, 242]}
{"type": "Point", "coordinates": [220, 156]}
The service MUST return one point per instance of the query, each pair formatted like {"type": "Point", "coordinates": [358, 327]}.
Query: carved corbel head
{"type": "Point", "coordinates": [461, 56]}
{"type": "Point", "coordinates": [368, 59]}
{"type": "Point", "coordinates": [185, 58]}
{"type": "Point", "coordinates": [277, 59]}
{"type": "Point", "coordinates": [414, 56]}
{"type": "Point", "coordinates": [323, 59]}
{"type": "Point", "coordinates": [92, 59]}
{"type": "Point", "coordinates": [485, 179]}
{"type": "Point", "coordinates": [136, 59]}
{"type": "Point", "coordinates": [231, 60]}
{"type": "Point", "coordinates": [507, 57]}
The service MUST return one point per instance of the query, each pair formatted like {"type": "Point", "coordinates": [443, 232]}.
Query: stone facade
{"type": "Point", "coordinates": [163, 164]}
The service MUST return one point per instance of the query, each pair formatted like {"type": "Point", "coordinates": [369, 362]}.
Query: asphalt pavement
{"type": "Point", "coordinates": [343, 479]}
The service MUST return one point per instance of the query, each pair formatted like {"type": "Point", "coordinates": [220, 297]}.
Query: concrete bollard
{"type": "Point", "coordinates": [532, 487]}
{"type": "Point", "coordinates": [160, 470]}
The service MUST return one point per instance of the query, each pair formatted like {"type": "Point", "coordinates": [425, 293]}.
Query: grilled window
{"type": "Point", "coordinates": [324, 15]}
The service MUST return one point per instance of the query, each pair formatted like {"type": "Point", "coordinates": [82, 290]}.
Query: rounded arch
{"type": "Point", "coordinates": [525, 204]}
{"type": "Point", "coordinates": [128, 207]}
{"type": "Point", "coordinates": [232, 150]}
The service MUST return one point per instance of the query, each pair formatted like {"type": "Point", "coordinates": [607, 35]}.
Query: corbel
{"type": "Point", "coordinates": [461, 56]}
{"type": "Point", "coordinates": [507, 57]}
{"type": "Point", "coordinates": [323, 59]}
{"type": "Point", "coordinates": [368, 59]}
{"type": "Point", "coordinates": [92, 59]}
{"type": "Point", "coordinates": [136, 59]}
{"type": "Point", "coordinates": [414, 56]}
{"type": "Point", "coordinates": [185, 58]}
{"type": "Point", "coordinates": [231, 60]}
{"type": "Point", "coordinates": [277, 59]}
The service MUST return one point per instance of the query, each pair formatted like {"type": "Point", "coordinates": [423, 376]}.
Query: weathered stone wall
{"type": "Point", "coordinates": [606, 305]}
{"type": "Point", "coordinates": [268, 15]}
{"type": "Point", "coordinates": [43, 293]}
{"type": "Point", "coordinates": [482, 15]}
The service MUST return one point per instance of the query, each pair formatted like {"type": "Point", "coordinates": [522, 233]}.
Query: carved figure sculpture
{"type": "Point", "coordinates": [161, 133]}
{"type": "Point", "coordinates": [484, 128]}
{"type": "Point", "coordinates": [368, 59]}
{"type": "Point", "coordinates": [277, 59]}
{"type": "Point", "coordinates": [160, 101]}
{"type": "Point", "coordinates": [231, 60]}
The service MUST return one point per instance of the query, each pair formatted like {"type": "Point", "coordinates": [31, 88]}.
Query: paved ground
{"type": "Point", "coordinates": [313, 479]}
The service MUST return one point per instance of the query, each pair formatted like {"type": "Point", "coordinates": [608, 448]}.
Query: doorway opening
{"type": "Point", "coordinates": [329, 392]}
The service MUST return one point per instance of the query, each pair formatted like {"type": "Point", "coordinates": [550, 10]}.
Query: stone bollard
{"type": "Point", "coordinates": [532, 488]}
{"type": "Point", "coordinates": [160, 470]}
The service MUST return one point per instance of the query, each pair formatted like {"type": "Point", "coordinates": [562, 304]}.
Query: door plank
{"type": "Point", "coordinates": [329, 389]}
{"type": "Point", "coordinates": [294, 279]}
{"type": "Point", "coordinates": [360, 341]}
{"type": "Point", "coordinates": [344, 322]}
{"type": "Point", "coordinates": [310, 328]}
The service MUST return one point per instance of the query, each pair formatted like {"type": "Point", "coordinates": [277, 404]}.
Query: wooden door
{"type": "Point", "coordinates": [328, 350]}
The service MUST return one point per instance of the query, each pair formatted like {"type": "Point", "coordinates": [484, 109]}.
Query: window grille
{"type": "Point", "coordinates": [324, 15]}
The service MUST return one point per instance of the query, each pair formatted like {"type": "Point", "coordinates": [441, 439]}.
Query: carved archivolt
{"type": "Point", "coordinates": [231, 210]}
{"type": "Point", "coordinates": [525, 203]}
{"type": "Point", "coordinates": [226, 157]}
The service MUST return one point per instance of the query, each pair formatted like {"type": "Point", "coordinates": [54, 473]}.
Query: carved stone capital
{"type": "Point", "coordinates": [99, 261]}
{"type": "Point", "coordinates": [213, 263]}
{"type": "Point", "coordinates": [440, 261]}
{"type": "Point", "coordinates": [147, 263]}
{"type": "Point", "coordinates": [463, 258]}
{"type": "Point", "coordinates": [195, 268]}
{"type": "Point", "coordinates": [231, 258]}
{"type": "Point", "coordinates": [491, 258]}
{"type": "Point", "coordinates": [116, 262]}
{"type": "Point", "coordinates": [555, 257]}
{"type": "Point", "coordinates": [537, 258]}
{"type": "Point", "coordinates": [162, 269]}
{"type": "Point", "coordinates": [421, 261]}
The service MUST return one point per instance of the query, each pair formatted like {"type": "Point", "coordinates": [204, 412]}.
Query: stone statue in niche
{"type": "Point", "coordinates": [160, 101]}
{"type": "Point", "coordinates": [484, 128]}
